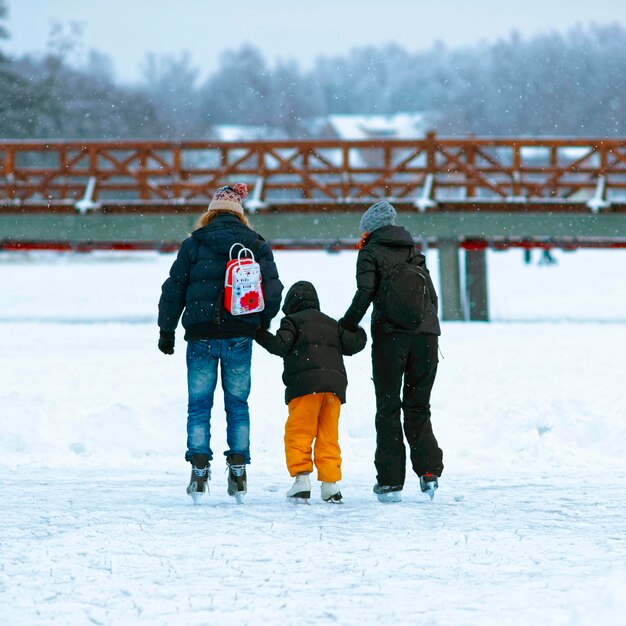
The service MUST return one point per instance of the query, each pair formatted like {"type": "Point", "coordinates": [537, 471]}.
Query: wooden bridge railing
{"type": "Point", "coordinates": [84, 195]}
{"type": "Point", "coordinates": [430, 174]}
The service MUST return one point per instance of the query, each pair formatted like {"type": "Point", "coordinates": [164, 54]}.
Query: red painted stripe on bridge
{"type": "Point", "coordinates": [87, 246]}
{"type": "Point", "coordinates": [331, 246]}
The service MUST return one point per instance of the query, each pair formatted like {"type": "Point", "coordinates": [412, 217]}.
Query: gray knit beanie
{"type": "Point", "coordinates": [378, 215]}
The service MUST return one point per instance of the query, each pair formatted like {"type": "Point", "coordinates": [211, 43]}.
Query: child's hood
{"type": "Point", "coordinates": [301, 296]}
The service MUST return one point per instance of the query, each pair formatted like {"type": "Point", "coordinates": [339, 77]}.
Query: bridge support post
{"type": "Point", "coordinates": [476, 284]}
{"type": "Point", "coordinates": [450, 280]}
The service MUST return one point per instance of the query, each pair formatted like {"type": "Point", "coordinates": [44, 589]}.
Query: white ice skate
{"type": "Point", "coordinates": [331, 493]}
{"type": "Point", "coordinates": [300, 491]}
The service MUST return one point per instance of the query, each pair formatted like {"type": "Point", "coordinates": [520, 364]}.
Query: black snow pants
{"type": "Point", "coordinates": [398, 356]}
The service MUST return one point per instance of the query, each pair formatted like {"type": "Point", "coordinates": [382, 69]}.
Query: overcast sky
{"type": "Point", "coordinates": [127, 30]}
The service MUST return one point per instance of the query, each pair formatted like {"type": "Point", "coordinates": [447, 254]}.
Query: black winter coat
{"type": "Point", "coordinates": [384, 248]}
{"type": "Point", "coordinates": [311, 344]}
{"type": "Point", "coordinates": [197, 277]}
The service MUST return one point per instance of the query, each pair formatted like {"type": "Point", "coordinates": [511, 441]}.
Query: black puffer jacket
{"type": "Point", "coordinates": [311, 345]}
{"type": "Point", "coordinates": [384, 248]}
{"type": "Point", "coordinates": [197, 278]}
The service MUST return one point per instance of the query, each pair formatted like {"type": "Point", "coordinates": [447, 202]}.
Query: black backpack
{"type": "Point", "coordinates": [403, 294]}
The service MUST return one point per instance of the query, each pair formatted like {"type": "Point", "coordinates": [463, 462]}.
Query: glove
{"type": "Point", "coordinates": [350, 326]}
{"type": "Point", "coordinates": [265, 323]}
{"type": "Point", "coordinates": [166, 341]}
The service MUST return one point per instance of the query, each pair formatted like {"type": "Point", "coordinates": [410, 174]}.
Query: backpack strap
{"type": "Point", "coordinates": [414, 256]}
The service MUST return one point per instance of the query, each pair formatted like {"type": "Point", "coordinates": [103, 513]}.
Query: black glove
{"type": "Point", "coordinates": [166, 341]}
{"type": "Point", "coordinates": [350, 326]}
{"type": "Point", "coordinates": [265, 323]}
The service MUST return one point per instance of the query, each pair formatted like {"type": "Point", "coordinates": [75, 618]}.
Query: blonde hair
{"type": "Point", "coordinates": [205, 218]}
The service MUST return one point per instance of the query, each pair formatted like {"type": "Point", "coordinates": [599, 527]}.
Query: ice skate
{"type": "Point", "coordinates": [300, 491]}
{"type": "Point", "coordinates": [200, 475]}
{"type": "Point", "coordinates": [388, 493]}
{"type": "Point", "coordinates": [237, 478]}
{"type": "Point", "coordinates": [331, 493]}
{"type": "Point", "coordinates": [428, 484]}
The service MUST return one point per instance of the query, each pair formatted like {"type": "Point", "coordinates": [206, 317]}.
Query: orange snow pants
{"type": "Point", "coordinates": [314, 417]}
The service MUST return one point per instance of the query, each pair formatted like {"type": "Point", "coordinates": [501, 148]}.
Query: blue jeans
{"type": "Point", "coordinates": [234, 357]}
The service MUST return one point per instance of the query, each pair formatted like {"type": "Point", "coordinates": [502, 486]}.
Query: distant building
{"type": "Point", "coordinates": [367, 127]}
{"type": "Point", "coordinates": [352, 126]}
{"type": "Point", "coordinates": [241, 132]}
{"type": "Point", "coordinates": [334, 126]}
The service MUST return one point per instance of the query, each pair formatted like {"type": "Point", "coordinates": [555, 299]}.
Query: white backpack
{"type": "Point", "coordinates": [243, 292]}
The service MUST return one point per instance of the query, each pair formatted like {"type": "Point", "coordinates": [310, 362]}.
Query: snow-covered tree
{"type": "Point", "coordinates": [171, 84]}
{"type": "Point", "coordinates": [571, 83]}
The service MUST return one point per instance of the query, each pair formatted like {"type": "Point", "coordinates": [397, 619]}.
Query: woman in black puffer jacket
{"type": "Point", "coordinates": [404, 357]}
{"type": "Point", "coordinates": [214, 336]}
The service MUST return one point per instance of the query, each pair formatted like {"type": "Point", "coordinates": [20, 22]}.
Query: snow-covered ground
{"type": "Point", "coordinates": [528, 526]}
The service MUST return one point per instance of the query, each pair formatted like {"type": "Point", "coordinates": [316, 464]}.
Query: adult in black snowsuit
{"type": "Point", "coordinates": [404, 360]}
{"type": "Point", "coordinates": [214, 336]}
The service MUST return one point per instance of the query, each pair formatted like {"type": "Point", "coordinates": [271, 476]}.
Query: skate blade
{"type": "Point", "coordinates": [392, 496]}
{"type": "Point", "coordinates": [298, 500]}
{"type": "Point", "coordinates": [196, 496]}
{"type": "Point", "coordinates": [431, 487]}
{"type": "Point", "coordinates": [334, 499]}
{"type": "Point", "coordinates": [300, 494]}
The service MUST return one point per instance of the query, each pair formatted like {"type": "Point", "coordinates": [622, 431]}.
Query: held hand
{"type": "Point", "coordinates": [166, 342]}
{"type": "Point", "coordinates": [350, 326]}
{"type": "Point", "coordinates": [261, 333]}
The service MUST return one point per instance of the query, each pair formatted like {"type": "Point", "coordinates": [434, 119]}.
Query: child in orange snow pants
{"type": "Point", "coordinates": [314, 417]}
{"type": "Point", "coordinates": [312, 345]}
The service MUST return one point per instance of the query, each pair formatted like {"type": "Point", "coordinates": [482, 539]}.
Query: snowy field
{"type": "Point", "coordinates": [528, 526]}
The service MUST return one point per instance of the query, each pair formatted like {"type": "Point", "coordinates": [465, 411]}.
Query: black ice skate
{"type": "Point", "coordinates": [200, 475]}
{"type": "Point", "coordinates": [237, 478]}
{"type": "Point", "coordinates": [388, 493]}
{"type": "Point", "coordinates": [428, 484]}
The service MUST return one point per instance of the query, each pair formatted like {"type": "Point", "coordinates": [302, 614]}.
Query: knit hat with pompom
{"type": "Point", "coordinates": [229, 198]}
